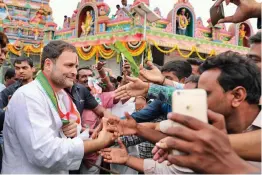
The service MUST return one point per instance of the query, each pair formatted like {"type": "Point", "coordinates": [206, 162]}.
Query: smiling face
{"type": "Point", "coordinates": [63, 70]}
{"type": "Point", "coordinates": [83, 76]}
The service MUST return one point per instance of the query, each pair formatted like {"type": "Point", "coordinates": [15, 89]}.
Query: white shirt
{"type": "Point", "coordinates": [32, 143]}
{"type": "Point", "coordinates": [119, 109]}
{"type": "Point", "coordinates": [2, 87]}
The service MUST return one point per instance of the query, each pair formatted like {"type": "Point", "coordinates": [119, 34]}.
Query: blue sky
{"type": "Point", "coordinates": [201, 8]}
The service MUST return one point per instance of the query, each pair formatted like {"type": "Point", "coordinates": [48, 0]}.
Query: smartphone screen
{"type": "Point", "coordinates": [216, 13]}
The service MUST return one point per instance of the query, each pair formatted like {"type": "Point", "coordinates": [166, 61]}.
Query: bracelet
{"type": "Point", "coordinates": [163, 81]}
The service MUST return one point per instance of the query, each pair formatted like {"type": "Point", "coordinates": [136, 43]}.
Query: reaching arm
{"type": "Point", "coordinates": [105, 79]}
{"type": "Point", "coordinates": [162, 93]}
{"type": "Point", "coordinates": [149, 134]}
{"type": "Point", "coordinates": [135, 163]}
{"type": "Point", "coordinates": [150, 125]}
{"type": "Point", "coordinates": [247, 145]}
{"type": "Point", "coordinates": [99, 111]}
{"type": "Point", "coordinates": [149, 113]}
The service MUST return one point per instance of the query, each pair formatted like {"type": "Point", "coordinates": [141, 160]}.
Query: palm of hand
{"type": "Point", "coordinates": [119, 155]}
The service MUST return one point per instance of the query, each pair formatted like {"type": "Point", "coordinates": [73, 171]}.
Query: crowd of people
{"type": "Point", "coordinates": [85, 120]}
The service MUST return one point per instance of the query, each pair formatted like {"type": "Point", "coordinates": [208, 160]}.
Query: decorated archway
{"type": "Point", "coordinates": [84, 21]}
{"type": "Point", "coordinates": [187, 23]}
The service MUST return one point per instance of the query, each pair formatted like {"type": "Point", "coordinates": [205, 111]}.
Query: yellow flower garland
{"type": "Point", "coordinates": [12, 49]}
{"type": "Point", "coordinates": [106, 54]}
{"type": "Point", "coordinates": [86, 56]}
{"type": "Point", "coordinates": [138, 51]}
{"type": "Point", "coordinates": [29, 49]}
{"type": "Point", "coordinates": [188, 55]}
{"type": "Point", "coordinates": [194, 49]}
{"type": "Point", "coordinates": [164, 51]}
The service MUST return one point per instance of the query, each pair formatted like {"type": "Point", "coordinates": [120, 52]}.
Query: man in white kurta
{"type": "Point", "coordinates": [32, 143]}
{"type": "Point", "coordinates": [33, 139]}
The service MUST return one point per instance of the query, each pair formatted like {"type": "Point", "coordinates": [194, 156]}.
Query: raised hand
{"type": "Point", "coordinates": [100, 65]}
{"type": "Point", "coordinates": [136, 87]}
{"type": "Point", "coordinates": [153, 75]}
{"type": "Point", "coordinates": [245, 9]}
{"type": "Point", "coordinates": [115, 155]}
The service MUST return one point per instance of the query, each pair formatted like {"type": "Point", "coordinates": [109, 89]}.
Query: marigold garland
{"type": "Point", "coordinates": [105, 53]}
{"type": "Point", "coordinates": [194, 49]}
{"type": "Point", "coordinates": [86, 55]}
{"type": "Point", "coordinates": [138, 51]}
{"type": "Point", "coordinates": [29, 49]}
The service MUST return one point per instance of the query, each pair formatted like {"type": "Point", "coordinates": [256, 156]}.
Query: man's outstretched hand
{"type": "Point", "coordinates": [123, 127]}
{"type": "Point", "coordinates": [135, 87]}
{"type": "Point", "coordinates": [115, 155]}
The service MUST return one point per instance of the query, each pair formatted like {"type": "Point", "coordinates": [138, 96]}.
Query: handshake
{"type": "Point", "coordinates": [112, 127]}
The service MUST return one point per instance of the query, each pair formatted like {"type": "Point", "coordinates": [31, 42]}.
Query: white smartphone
{"type": "Point", "coordinates": [192, 103]}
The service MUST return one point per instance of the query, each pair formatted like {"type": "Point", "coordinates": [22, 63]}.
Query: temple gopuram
{"type": "Point", "coordinates": [129, 33]}
{"type": "Point", "coordinates": [27, 23]}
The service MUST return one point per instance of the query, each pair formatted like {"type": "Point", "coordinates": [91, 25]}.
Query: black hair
{"type": "Point", "coordinates": [117, 6]}
{"type": "Point", "coordinates": [180, 68]}
{"type": "Point", "coordinates": [84, 68]}
{"type": "Point", "coordinates": [255, 39]}
{"type": "Point", "coordinates": [21, 59]}
{"type": "Point", "coordinates": [3, 40]}
{"type": "Point", "coordinates": [54, 49]}
{"type": "Point", "coordinates": [10, 73]}
{"type": "Point", "coordinates": [195, 61]}
{"type": "Point", "coordinates": [236, 70]}
{"type": "Point", "coordinates": [193, 79]}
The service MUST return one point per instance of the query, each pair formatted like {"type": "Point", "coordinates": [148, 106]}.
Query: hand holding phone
{"type": "Point", "coordinates": [216, 13]}
{"type": "Point", "coordinates": [192, 103]}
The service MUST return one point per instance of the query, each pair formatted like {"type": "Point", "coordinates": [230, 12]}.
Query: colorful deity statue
{"type": "Point", "coordinates": [102, 11]}
{"type": "Point", "coordinates": [242, 35]}
{"type": "Point", "coordinates": [39, 16]}
{"type": "Point", "coordinates": [4, 11]}
{"type": "Point", "coordinates": [183, 22]}
{"type": "Point", "coordinates": [87, 24]}
{"type": "Point", "coordinates": [36, 33]}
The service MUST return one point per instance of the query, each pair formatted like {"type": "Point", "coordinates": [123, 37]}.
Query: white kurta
{"type": "Point", "coordinates": [32, 143]}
